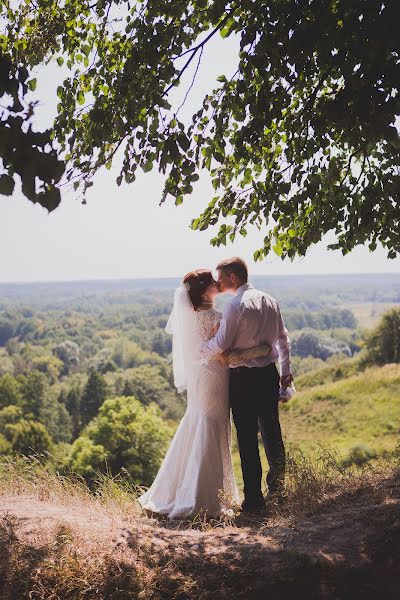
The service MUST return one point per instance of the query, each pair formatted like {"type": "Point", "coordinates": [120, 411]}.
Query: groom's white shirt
{"type": "Point", "coordinates": [250, 319]}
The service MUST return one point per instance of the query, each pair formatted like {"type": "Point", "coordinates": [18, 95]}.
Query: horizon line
{"type": "Point", "coordinates": [166, 277]}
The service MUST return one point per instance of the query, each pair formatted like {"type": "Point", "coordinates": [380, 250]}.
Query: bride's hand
{"type": "Point", "coordinates": [216, 327]}
{"type": "Point", "coordinates": [223, 357]}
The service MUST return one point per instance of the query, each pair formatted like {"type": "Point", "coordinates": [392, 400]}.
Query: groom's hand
{"type": "Point", "coordinates": [286, 380]}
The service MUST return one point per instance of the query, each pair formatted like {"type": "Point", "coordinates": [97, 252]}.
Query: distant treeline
{"type": "Point", "coordinates": [323, 319]}
{"type": "Point", "coordinates": [27, 325]}
{"type": "Point", "coordinates": [310, 291]}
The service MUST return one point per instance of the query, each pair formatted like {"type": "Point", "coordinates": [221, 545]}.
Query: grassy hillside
{"type": "Point", "coordinates": [350, 409]}
{"type": "Point", "coordinates": [352, 412]}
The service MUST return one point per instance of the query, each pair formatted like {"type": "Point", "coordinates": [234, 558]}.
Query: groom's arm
{"type": "Point", "coordinates": [283, 346]}
{"type": "Point", "coordinates": [225, 335]}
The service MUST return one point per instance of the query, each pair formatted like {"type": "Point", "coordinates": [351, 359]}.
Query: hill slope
{"type": "Point", "coordinates": [338, 407]}
{"type": "Point", "coordinates": [342, 408]}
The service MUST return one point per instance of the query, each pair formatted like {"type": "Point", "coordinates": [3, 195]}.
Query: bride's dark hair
{"type": "Point", "coordinates": [197, 282]}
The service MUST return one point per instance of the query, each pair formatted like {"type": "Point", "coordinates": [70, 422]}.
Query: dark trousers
{"type": "Point", "coordinates": [254, 396]}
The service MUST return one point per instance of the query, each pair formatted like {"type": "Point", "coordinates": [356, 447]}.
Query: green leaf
{"type": "Point", "coordinates": [278, 249]}
{"type": "Point", "coordinates": [227, 28]}
{"type": "Point", "coordinates": [32, 83]}
{"type": "Point", "coordinates": [147, 166]}
{"type": "Point", "coordinates": [50, 199]}
{"type": "Point", "coordinates": [7, 184]}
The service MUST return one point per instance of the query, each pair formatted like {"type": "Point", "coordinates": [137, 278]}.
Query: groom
{"type": "Point", "coordinates": [250, 319]}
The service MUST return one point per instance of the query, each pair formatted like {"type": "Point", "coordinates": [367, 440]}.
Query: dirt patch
{"type": "Point", "coordinates": [349, 549]}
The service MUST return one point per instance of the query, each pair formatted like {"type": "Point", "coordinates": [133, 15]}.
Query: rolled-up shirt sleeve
{"type": "Point", "coordinates": [283, 345]}
{"type": "Point", "coordinates": [226, 333]}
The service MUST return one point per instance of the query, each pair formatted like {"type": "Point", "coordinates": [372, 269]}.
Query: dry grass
{"type": "Point", "coordinates": [61, 569]}
{"type": "Point", "coordinates": [59, 540]}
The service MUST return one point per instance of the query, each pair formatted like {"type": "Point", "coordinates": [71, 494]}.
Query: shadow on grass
{"type": "Point", "coordinates": [348, 549]}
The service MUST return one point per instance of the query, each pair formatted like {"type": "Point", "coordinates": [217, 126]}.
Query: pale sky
{"type": "Point", "coordinates": [123, 233]}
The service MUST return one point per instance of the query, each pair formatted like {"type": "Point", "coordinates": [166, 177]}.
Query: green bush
{"type": "Point", "coordinates": [124, 435]}
{"type": "Point", "coordinates": [30, 437]}
{"type": "Point", "coordinates": [360, 455]}
{"type": "Point", "coordinates": [383, 344]}
{"type": "Point", "coordinates": [9, 391]}
{"type": "Point", "coordinates": [9, 415]}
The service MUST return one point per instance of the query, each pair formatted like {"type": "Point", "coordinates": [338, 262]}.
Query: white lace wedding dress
{"type": "Point", "coordinates": [196, 475]}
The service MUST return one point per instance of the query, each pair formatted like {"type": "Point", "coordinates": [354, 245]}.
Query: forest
{"type": "Point", "coordinates": [86, 382]}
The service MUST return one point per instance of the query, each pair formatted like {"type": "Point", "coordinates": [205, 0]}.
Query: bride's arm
{"type": "Point", "coordinates": [225, 334]}
{"type": "Point", "coordinates": [233, 358]}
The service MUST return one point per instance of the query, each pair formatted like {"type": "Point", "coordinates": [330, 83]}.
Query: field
{"type": "Point", "coordinates": [369, 313]}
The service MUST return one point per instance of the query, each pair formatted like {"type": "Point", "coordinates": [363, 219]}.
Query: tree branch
{"type": "Point", "coordinates": [195, 50]}
{"type": "Point", "coordinates": [192, 83]}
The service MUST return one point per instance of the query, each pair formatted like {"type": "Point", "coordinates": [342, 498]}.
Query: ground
{"type": "Point", "coordinates": [69, 545]}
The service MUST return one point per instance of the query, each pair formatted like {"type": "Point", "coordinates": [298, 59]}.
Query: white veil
{"type": "Point", "coordinates": [182, 324]}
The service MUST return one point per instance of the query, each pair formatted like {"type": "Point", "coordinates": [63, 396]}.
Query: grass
{"type": "Point", "coordinates": [61, 541]}
{"type": "Point", "coordinates": [354, 412]}
{"type": "Point", "coordinates": [329, 372]}
{"type": "Point", "coordinates": [362, 408]}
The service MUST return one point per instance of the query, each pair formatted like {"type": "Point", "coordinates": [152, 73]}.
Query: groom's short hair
{"type": "Point", "coordinates": [234, 265]}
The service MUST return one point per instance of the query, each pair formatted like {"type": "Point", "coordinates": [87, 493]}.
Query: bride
{"type": "Point", "coordinates": [196, 475]}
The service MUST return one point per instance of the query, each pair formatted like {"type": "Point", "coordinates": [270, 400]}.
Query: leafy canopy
{"type": "Point", "coordinates": [300, 141]}
{"type": "Point", "coordinates": [24, 152]}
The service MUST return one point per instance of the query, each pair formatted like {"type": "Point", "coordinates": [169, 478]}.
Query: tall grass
{"type": "Point", "coordinates": [315, 477]}
{"type": "Point", "coordinates": [66, 566]}
{"type": "Point", "coordinates": [30, 475]}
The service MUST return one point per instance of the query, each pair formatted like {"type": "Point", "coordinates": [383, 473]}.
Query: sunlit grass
{"type": "Point", "coordinates": [361, 409]}
{"type": "Point", "coordinates": [68, 563]}
{"type": "Point", "coordinates": [353, 411]}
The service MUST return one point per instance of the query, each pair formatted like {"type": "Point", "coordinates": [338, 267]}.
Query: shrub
{"type": "Point", "coordinates": [383, 344]}
{"type": "Point", "coordinates": [125, 435]}
{"type": "Point", "coordinates": [30, 437]}
{"type": "Point", "coordinates": [359, 455]}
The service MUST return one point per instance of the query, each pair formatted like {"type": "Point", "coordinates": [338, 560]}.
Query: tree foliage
{"type": "Point", "coordinates": [383, 344]}
{"type": "Point", "coordinates": [9, 391]}
{"type": "Point", "coordinates": [30, 437]}
{"type": "Point", "coordinates": [301, 140]}
{"type": "Point", "coordinates": [24, 152]}
{"type": "Point", "coordinates": [310, 343]}
{"type": "Point", "coordinates": [124, 435]}
{"type": "Point", "coordinates": [93, 396]}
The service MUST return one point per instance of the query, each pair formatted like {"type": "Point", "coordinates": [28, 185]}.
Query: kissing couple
{"type": "Point", "coordinates": [224, 361]}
